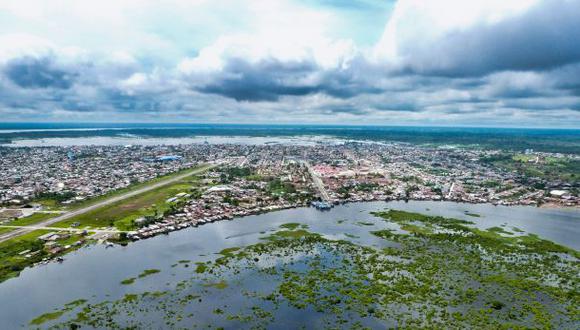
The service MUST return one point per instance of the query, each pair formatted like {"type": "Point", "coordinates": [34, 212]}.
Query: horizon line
{"type": "Point", "coordinates": [149, 123]}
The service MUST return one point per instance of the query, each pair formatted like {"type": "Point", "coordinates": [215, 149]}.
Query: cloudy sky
{"type": "Point", "coordinates": [406, 62]}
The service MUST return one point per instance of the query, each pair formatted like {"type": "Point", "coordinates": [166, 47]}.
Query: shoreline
{"type": "Point", "coordinates": [166, 226]}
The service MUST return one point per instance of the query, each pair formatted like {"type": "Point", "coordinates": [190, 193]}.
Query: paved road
{"type": "Point", "coordinates": [76, 230]}
{"type": "Point", "coordinates": [318, 183]}
{"type": "Point", "coordinates": [74, 213]}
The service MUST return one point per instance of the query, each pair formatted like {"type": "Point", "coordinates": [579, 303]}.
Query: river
{"type": "Point", "coordinates": [95, 272]}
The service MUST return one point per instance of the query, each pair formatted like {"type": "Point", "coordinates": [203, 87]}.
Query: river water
{"type": "Point", "coordinates": [95, 272]}
{"type": "Point", "coordinates": [128, 139]}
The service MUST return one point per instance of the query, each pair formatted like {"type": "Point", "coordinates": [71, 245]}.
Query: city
{"type": "Point", "coordinates": [253, 179]}
{"type": "Point", "coordinates": [290, 164]}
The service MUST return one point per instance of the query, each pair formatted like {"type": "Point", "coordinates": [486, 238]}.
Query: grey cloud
{"type": "Point", "coordinates": [264, 81]}
{"type": "Point", "coordinates": [30, 72]}
{"type": "Point", "coordinates": [270, 79]}
{"type": "Point", "coordinates": [544, 37]}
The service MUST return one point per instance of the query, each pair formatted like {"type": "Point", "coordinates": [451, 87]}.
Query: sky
{"type": "Point", "coordinates": [509, 63]}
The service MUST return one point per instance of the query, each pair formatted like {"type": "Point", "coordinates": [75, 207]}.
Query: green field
{"type": "Point", "coordinates": [27, 221]}
{"type": "Point", "coordinates": [123, 213]}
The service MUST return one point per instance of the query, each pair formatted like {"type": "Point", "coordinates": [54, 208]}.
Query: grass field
{"type": "Point", "coordinates": [123, 213]}
{"type": "Point", "coordinates": [28, 221]}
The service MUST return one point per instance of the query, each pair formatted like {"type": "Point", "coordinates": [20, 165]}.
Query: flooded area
{"type": "Point", "coordinates": [96, 273]}
{"type": "Point", "coordinates": [130, 139]}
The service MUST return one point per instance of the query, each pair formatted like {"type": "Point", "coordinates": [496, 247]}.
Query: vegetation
{"type": "Point", "coordinates": [563, 169]}
{"type": "Point", "coordinates": [293, 226]}
{"type": "Point", "coordinates": [27, 221]}
{"type": "Point", "coordinates": [148, 272]}
{"type": "Point", "coordinates": [277, 187]}
{"type": "Point", "coordinates": [56, 314]}
{"type": "Point", "coordinates": [229, 174]}
{"type": "Point", "coordinates": [58, 197]}
{"type": "Point", "coordinates": [12, 262]}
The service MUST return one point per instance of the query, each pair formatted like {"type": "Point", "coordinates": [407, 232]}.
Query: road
{"type": "Point", "coordinates": [76, 230]}
{"type": "Point", "coordinates": [114, 199]}
{"type": "Point", "coordinates": [318, 183]}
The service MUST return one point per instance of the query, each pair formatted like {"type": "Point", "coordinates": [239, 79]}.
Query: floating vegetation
{"type": "Point", "coordinates": [292, 234]}
{"type": "Point", "coordinates": [228, 251]}
{"type": "Point", "coordinates": [293, 226]}
{"type": "Point", "coordinates": [145, 273]}
{"type": "Point", "coordinates": [201, 267]}
{"type": "Point", "coordinates": [499, 230]}
{"type": "Point", "coordinates": [57, 314]}
{"type": "Point", "coordinates": [218, 285]}
{"type": "Point", "coordinates": [148, 272]}
{"type": "Point", "coordinates": [444, 273]}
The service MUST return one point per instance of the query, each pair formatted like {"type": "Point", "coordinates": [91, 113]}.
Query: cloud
{"type": "Point", "coordinates": [460, 38]}
{"type": "Point", "coordinates": [30, 72]}
{"type": "Point", "coordinates": [445, 62]}
{"type": "Point", "coordinates": [266, 80]}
